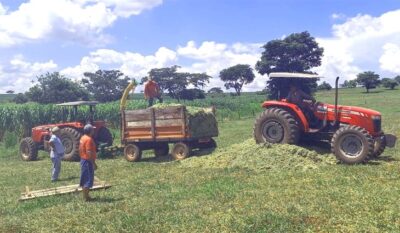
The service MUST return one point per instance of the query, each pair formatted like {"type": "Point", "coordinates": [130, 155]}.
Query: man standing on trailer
{"type": "Point", "coordinates": [87, 152]}
{"type": "Point", "coordinates": [151, 91]}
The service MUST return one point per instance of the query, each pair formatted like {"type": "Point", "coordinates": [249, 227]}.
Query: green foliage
{"type": "Point", "coordinates": [106, 85]}
{"type": "Point", "coordinates": [216, 90]}
{"type": "Point", "coordinates": [10, 92]}
{"type": "Point", "coordinates": [175, 82]}
{"type": "Point", "coordinates": [324, 86]}
{"type": "Point", "coordinates": [191, 94]}
{"type": "Point", "coordinates": [397, 78]}
{"type": "Point", "coordinates": [20, 99]}
{"type": "Point", "coordinates": [10, 139]}
{"type": "Point", "coordinates": [368, 79]}
{"type": "Point", "coordinates": [237, 76]}
{"type": "Point", "coordinates": [349, 84]}
{"type": "Point", "coordinates": [298, 52]}
{"type": "Point", "coordinates": [389, 83]}
{"type": "Point", "coordinates": [55, 88]}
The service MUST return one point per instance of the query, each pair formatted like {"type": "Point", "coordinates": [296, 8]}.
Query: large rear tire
{"type": "Point", "coordinates": [352, 144]}
{"type": "Point", "coordinates": [70, 139]}
{"type": "Point", "coordinates": [104, 136]}
{"type": "Point", "coordinates": [28, 150]}
{"type": "Point", "coordinates": [276, 125]}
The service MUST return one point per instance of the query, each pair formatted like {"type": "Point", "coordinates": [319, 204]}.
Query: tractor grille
{"type": "Point", "coordinates": [377, 125]}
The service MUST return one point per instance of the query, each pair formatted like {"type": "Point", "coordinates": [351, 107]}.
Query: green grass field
{"type": "Point", "coordinates": [164, 196]}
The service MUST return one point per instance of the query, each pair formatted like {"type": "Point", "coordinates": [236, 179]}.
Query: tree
{"type": "Point", "coordinates": [237, 76]}
{"type": "Point", "coordinates": [174, 82]}
{"type": "Point", "coordinates": [191, 94]}
{"type": "Point", "coordinates": [56, 88]}
{"type": "Point", "coordinates": [10, 92]}
{"type": "Point", "coordinates": [389, 83]}
{"type": "Point", "coordinates": [368, 79]}
{"type": "Point", "coordinates": [349, 84]}
{"type": "Point", "coordinates": [215, 90]}
{"type": "Point", "coordinates": [324, 86]}
{"type": "Point", "coordinates": [106, 85]}
{"type": "Point", "coordinates": [397, 78]}
{"type": "Point", "coordinates": [20, 99]}
{"type": "Point", "coordinates": [298, 52]}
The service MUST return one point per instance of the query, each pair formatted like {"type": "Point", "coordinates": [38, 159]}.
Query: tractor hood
{"type": "Point", "coordinates": [353, 109]}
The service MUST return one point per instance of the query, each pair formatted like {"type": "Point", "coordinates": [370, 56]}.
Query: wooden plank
{"type": "Point", "coordinates": [169, 122]}
{"type": "Point", "coordinates": [61, 190]}
{"type": "Point", "coordinates": [139, 124]}
{"type": "Point", "coordinates": [138, 117]}
{"type": "Point", "coordinates": [153, 124]}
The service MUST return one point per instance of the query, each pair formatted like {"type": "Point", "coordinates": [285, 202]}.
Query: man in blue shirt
{"type": "Point", "coordinates": [56, 153]}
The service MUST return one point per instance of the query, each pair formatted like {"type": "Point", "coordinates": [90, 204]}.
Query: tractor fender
{"type": "Point", "coordinates": [291, 108]}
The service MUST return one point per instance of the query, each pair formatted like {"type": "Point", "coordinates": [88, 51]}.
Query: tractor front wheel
{"type": "Point", "coordinates": [276, 125]}
{"type": "Point", "coordinates": [379, 146]}
{"type": "Point", "coordinates": [28, 149]}
{"type": "Point", "coordinates": [70, 139]}
{"type": "Point", "coordinates": [352, 144]}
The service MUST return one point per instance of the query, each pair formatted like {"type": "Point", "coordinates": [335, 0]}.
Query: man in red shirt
{"type": "Point", "coordinates": [151, 91]}
{"type": "Point", "coordinates": [87, 152]}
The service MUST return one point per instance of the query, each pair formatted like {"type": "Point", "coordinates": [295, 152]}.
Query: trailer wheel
{"type": "Point", "coordinates": [180, 151]}
{"type": "Point", "coordinates": [132, 153]}
{"type": "Point", "coordinates": [276, 125]}
{"type": "Point", "coordinates": [352, 144]}
{"type": "Point", "coordinates": [28, 149]}
{"type": "Point", "coordinates": [161, 149]}
{"type": "Point", "coordinates": [70, 139]}
{"type": "Point", "coordinates": [379, 146]}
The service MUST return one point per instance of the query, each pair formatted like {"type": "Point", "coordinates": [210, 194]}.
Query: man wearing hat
{"type": "Point", "coordinates": [87, 152]}
{"type": "Point", "coordinates": [56, 153]}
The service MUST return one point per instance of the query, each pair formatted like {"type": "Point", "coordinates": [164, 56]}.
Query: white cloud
{"type": "Point", "coordinates": [80, 21]}
{"type": "Point", "coordinates": [389, 60]}
{"type": "Point", "coordinates": [18, 73]}
{"type": "Point", "coordinates": [362, 43]}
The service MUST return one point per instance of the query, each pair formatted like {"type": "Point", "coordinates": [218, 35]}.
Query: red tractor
{"type": "Point", "coordinates": [354, 133]}
{"type": "Point", "coordinates": [70, 133]}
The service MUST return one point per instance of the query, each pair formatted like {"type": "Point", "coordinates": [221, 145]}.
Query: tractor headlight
{"type": "Point", "coordinates": [376, 117]}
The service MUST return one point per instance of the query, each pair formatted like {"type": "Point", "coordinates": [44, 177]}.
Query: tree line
{"type": "Point", "coordinates": [298, 52]}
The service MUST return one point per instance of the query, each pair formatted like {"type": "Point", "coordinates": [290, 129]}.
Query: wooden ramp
{"type": "Point", "coordinates": [28, 194]}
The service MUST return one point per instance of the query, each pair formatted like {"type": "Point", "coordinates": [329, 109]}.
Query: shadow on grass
{"type": "Point", "coordinates": [106, 199]}
{"type": "Point", "coordinates": [321, 147]}
{"type": "Point", "coordinates": [169, 158]}
{"type": "Point", "coordinates": [69, 178]}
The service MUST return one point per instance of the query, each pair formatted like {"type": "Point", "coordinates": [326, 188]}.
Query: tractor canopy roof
{"type": "Point", "coordinates": [79, 103]}
{"type": "Point", "coordinates": [293, 75]}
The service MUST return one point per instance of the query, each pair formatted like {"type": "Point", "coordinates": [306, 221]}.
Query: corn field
{"type": "Point", "coordinates": [20, 118]}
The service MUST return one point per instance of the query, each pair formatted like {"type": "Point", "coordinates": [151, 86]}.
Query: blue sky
{"type": "Point", "coordinates": [74, 36]}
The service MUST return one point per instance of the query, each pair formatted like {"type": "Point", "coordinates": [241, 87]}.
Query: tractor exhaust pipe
{"type": "Point", "coordinates": [336, 101]}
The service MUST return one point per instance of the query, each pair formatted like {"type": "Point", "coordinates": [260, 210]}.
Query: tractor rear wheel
{"type": "Point", "coordinates": [379, 146]}
{"type": "Point", "coordinates": [181, 151]}
{"type": "Point", "coordinates": [276, 125]}
{"type": "Point", "coordinates": [70, 139]}
{"type": "Point", "coordinates": [104, 136]}
{"type": "Point", "coordinates": [352, 144]}
{"type": "Point", "coordinates": [162, 149]}
{"type": "Point", "coordinates": [132, 153]}
{"type": "Point", "coordinates": [28, 149]}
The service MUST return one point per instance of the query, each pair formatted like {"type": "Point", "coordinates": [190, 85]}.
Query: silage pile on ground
{"type": "Point", "coordinates": [261, 157]}
{"type": "Point", "coordinates": [201, 121]}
